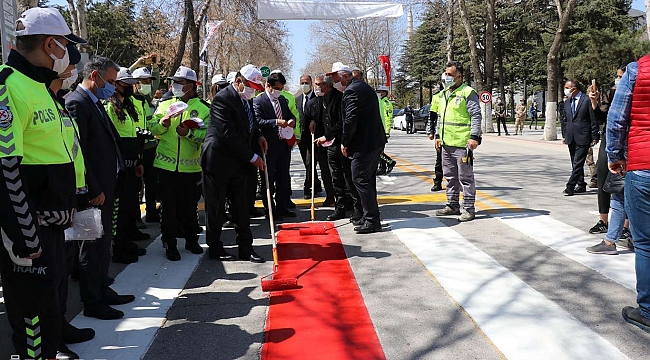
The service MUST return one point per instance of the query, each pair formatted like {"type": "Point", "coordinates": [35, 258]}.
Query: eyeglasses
{"type": "Point", "coordinates": [304, 83]}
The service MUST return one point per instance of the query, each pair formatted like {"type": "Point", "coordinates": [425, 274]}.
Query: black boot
{"type": "Point", "coordinates": [339, 213]}
{"type": "Point", "coordinates": [73, 335]}
{"type": "Point", "coordinates": [171, 251]}
{"type": "Point", "coordinates": [193, 246]}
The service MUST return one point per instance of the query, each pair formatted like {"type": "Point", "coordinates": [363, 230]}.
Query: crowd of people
{"type": "Point", "coordinates": [65, 149]}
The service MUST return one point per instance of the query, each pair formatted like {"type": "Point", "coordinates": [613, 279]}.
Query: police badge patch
{"type": "Point", "coordinates": [194, 113]}
{"type": "Point", "coordinates": [6, 117]}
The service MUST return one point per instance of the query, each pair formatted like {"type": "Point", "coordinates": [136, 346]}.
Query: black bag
{"type": "Point", "coordinates": [614, 183]}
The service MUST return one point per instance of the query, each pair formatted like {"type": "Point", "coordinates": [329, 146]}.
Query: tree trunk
{"type": "Point", "coordinates": [552, 64]}
{"type": "Point", "coordinates": [502, 91]}
{"type": "Point", "coordinates": [73, 15]}
{"type": "Point", "coordinates": [180, 50]}
{"type": "Point", "coordinates": [489, 63]}
{"type": "Point", "coordinates": [647, 17]}
{"type": "Point", "coordinates": [471, 37]}
{"type": "Point", "coordinates": [450, 30]}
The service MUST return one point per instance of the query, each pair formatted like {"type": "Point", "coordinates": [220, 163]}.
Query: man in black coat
{"type": "Point", "coordinates": [226, 156]}
{"type": "Point", "coordinates": [363, 140]}
{"type": "Point", "coordinates": [272, 114]}
{"type": "Point", "coordinates": [99, 144]}
{"type": "Point", "coordinates": [579, 132]}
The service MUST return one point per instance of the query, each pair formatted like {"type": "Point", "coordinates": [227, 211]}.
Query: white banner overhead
{"type": "Point", "coordinates": [315, 10]}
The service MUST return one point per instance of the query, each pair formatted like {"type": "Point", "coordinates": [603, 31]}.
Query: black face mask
{"type": "Point", "coordinates": [127, 91]}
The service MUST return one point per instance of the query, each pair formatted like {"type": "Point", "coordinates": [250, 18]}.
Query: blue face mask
{"type": "Point", "coordinates": [105, 92]}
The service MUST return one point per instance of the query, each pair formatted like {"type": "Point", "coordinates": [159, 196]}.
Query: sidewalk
{"type": "Point", "coordinates": [529, 134]}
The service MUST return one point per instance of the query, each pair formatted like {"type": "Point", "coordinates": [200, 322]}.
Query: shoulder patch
{"type": "Point", "coordinates": [4, 74]}
{"type": "Point", "coordinates": [194, 113]}
{"type": "Point", "coordinates": [6, 117]}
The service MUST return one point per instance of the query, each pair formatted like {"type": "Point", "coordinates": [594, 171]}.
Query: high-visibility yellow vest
{"type": "Point", "coordinates": [455, 121]}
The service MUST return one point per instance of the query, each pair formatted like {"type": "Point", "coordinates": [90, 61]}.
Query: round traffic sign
{"type": "Point", "coordinates": [266, 71]}
{"type": "Point", "coordinates": [486, 97]}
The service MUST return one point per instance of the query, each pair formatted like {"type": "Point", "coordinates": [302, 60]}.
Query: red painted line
{"type": "Point", "coordinates": [325, 319]}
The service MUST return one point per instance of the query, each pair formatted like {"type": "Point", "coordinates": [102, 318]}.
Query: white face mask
{"type": "Point", "coordinates": [318, 92]}
{"type": "Point", "coordinates": [276, 93]}
{"type": "Point", "coordinates": [60, 64]}
{"type": "Point", "coordinates": [144, 89]}
{"type": "Point", "coordinates": [177, 90]}
{"type": "Point", "coordinates": [67, 82]}
{"type": "Point", "coordinates": [567, 92]}
{"type": "Point", "coordinates": [306, 88]}
{"type": "Point", "coordinates": [247, 94]}
{"type": "Point", "coordinates": [448, 81]}
{"type": "Point", "coordinates": [338, 86]}
{"type": "Point", "coordinates": [616, 82]}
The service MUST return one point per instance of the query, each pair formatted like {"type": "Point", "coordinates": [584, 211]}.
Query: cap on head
{"type": "Point", "coordinates": [45, 21]}
{"type": "Point", "coordinates": [219, 80]}
{"type": "Point", "coordinates": [142, 73]}
{"type": "Point", "coordinates": [338, 66]}
{"type": "Point", "coordinates": [184, 73]}
{"type": "Point", "coordinates": [125, 75]}
{"type": "Point", "coordinates": [253, 75]}
{"type": "Point", "coordinates": [276, 71]}
{"type": "Point", "coordinates": [231, 77]}
{"type": "Point", "coordinates": [382, 88]}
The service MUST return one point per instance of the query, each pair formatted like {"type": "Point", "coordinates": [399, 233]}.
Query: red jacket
{"type": "Point", "coordinates": [638, 142]}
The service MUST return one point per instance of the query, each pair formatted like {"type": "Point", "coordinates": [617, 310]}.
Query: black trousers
{"type": "Point", "coordinates": [341, 171]}
{"type": "Point", "coordinates": [326, 175]}
{"type": "Point", "coordinates": [601, 171]}
{"type": "Point", "coordinates": [409, 125]}
{"type": "Point", "coordinates": [364, 169]}
{"type": "Point", "coordinates": [305, 154]}
{"type": "Point", "coordinates": [94, 259]}
{"type": "Point", "coordinates": [150, 179]}
{"type": "Point", "coordinates": [34, 296]}
{"type": "Point", "coordinates": [578, 157]}
{"type": "Point", "coordinates": [216, 188]}
{"type": "Point", "coordinates": [278, 162]}
{"type": "Point", "coordinates": [438, 167]}
{"type": "Point", "coordinates": [127, 206]}
{"type": "Point", "coordinates": [179, 194]}
{"type": "Point", "coordinates": [501, 121]}
{"type": "Point", "coordinates": [251, 185]}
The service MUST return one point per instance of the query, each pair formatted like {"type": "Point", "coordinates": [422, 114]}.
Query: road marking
{"type": "Point", "coordinates": [521, 322]}
{"type": "Point", "coordinates": [156, 282]}
{"type": "Point", "coordinates": [571, 242]}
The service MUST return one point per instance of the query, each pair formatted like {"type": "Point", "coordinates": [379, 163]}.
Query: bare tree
{"type": "Point", "coordinates": [552, 67]}
{"type": "Point", "coordinates": [647, 17]}
{"type": "Point", "coordinates": [450, 30]}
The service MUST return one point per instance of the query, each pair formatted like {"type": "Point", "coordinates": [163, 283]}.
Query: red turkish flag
{"type": "Point", "coordinates": [385, 63]}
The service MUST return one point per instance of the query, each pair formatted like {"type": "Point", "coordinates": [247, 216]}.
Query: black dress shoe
{"type": "Point", "coordinates": [580, 189]}
{"type": "Point", "coordinates": [568, 192]}
{"type": "Point", "coordinates": [193, 247]}
{"type": "Point", "coordinates": [436, 187]}
{"type": "Point", "coordinates": [66, 354]}
{"type": "Point", "coordinates": [104, 313]}
{"type": "Point", "coordinates": [337, 215]}
{"type": "Point", "coordinates": [172, 253]}
{"type": "Point", "coordinates": [220, 255]}
{"type": "Point", "coordinates": [116, 299]}
{"type": "Point", "coordinates": [329, 201]}
{"type": "Point", "coordinates": [356, 216]}
{"type": "Point", "coordinates": [368, 228]}
{"type": "Point", "coordinates": [359, 222]}
{"type": "Point", "coordinates": [228, 225]}
{"type": "Point", "coordinates": [124, 257]}
{"type": "Point", "coordinates": [254, 213]}
{"type": "Point", "coordinates": [291, 204]}
{"type": "Point", "coordinates": [73, 335]}
{"type": "Point", "coordinates": [251, 256]}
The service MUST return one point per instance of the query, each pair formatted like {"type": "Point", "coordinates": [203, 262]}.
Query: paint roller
{"type": "Point", "coordinates": [269, 282]}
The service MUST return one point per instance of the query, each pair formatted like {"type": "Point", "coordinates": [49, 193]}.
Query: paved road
{"type": "Point", "coordinates": [515, 283]}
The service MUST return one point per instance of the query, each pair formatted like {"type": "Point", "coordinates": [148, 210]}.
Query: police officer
{"type": "Point", "coordinates": [178, 162]}
{"type": "Point", "coordinates": [386, 110]}
{"type": "Point", "coordinates": [458, 135]}
{"type": "Point", "coordinates": [431, 132]}
{"type": "Point", "coordinates": [148, 82]}
{"type": "Point", "coordinates": [37, 183]}
{"type": "Point", "coordinates": [124, 114]}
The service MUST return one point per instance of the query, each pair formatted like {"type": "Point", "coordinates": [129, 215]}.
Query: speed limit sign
{"type": "Point", "coordinates": [486, 97]}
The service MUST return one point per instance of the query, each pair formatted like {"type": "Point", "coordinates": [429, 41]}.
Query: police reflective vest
{"type": "Point", "coordinates": [144, 112]}
{"type": "Point", "coordinates": [130, 143]}
{"type": "Point", "coordinates": [72, 142]}
{"type": "Point", "coordinates": [386, 109]}
{"type": "Point", "coordinates": [294, 110]}
{"type": "Point", "coordinates": [455, 121]}
{"type": "Point", "coordinates": [176, 153]}
{"type": "Point", "coordinates": [32, 128]}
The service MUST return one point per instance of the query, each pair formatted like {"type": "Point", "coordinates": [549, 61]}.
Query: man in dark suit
{"type": "Point", "coordinates": [579, 132]}
{"type": "Point", "coordinates": [272, 114]}
{"type": "Point", "coordinates": [226, 156]}
{"type": "Point", "coordinates": [307, 94]}
{"type": "Point", "coordinates": [103, 161]}
{"type": "Point", "coordinates": [363, 140]}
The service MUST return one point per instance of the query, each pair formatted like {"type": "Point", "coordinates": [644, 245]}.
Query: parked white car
{"type": "Point", "coordinates": [399, 120]}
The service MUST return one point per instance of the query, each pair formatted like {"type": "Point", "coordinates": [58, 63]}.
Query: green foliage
{"type": "Point", "coordinates": [111, 28]}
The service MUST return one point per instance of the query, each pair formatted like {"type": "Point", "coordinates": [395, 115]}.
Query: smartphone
{"type": "Point", "coordinates": [154, 57]}
{"type": "Point", "coordinates": [593, 85]}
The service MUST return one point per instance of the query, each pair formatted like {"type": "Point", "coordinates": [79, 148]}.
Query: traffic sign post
{"type": "Point", "coordinates": [266, 71]}
{"type": "Point", "coordinates": [486, 97]}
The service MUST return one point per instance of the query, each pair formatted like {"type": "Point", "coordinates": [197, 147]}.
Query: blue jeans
{"type": "Point", "coordinates": [617, 220]}
{"type": "Point", "coordinates": [637, 204]}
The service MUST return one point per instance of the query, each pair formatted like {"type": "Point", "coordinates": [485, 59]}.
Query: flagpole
{"type": "Point", "coordinates": [205, 58]}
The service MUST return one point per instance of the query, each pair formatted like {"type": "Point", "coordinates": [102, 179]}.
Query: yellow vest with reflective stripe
{"type": "Point", "coordinates": [455, 121]}
{"type": "Point", "coordinates": [175, 153]}
{"type": "Point", "coordinates": [72, 142]}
